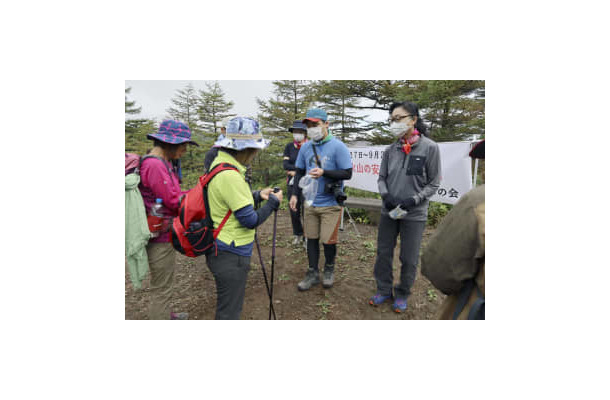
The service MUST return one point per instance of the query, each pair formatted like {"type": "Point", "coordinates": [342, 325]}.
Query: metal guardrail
{"type": "Point", "coordinates": [362, 202]}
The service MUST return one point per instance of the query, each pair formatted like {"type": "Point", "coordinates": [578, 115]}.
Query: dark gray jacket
{"type": "Point", "coordinates": [416, 175]}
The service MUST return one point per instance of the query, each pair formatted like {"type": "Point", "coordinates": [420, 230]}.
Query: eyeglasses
{"type": "Point", "coordinates": [398, 118]}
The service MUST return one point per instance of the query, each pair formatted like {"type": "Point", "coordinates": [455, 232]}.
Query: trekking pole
{"type": "Point", "coordinates": [258, 248]}
{"type": "Point", "coordinates": [351, 220]}
{"type": "Point", "coordinates": [275, 190]}
{"type": "Point", "coordinates": [260, 257]}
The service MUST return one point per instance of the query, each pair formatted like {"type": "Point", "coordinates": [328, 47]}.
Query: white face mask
{"type": "Point", "coordinates": [398, 129]}
{"type": "Point", "coordinates": [315, 133]}
{"type": "Point", "coordinates": [298, 137]}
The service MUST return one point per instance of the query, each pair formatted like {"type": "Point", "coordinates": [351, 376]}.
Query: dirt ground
{"type": "Point", "coordinates": [195, 290]}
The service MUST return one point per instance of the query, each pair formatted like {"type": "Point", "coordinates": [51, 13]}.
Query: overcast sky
{"type": "Point", "coordinates": [154, 97]}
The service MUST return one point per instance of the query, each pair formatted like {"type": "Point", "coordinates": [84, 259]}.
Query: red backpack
{"type": "Point", "coordinates": [192, 233]}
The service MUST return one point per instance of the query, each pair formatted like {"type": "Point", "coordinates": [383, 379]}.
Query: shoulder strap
{"type": "Point", "coordinates": [313, 146]}
{"type": "Point", "coordinates": [224, 220]}
{"type": "Point", "coordinates": [204, 187]}
{"type": "Point", "coordinates": [216, 170]}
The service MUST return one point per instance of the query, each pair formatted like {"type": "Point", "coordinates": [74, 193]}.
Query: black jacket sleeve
{"type": "Point", "coordinates": [265, 211]}
{"type": "Point", "coordinates": [288, 164]}
{"type": "Point", "coordinates": [339, 174]}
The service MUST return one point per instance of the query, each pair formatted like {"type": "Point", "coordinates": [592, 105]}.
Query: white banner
{"type": "Point", "coordinates": [456, 176]}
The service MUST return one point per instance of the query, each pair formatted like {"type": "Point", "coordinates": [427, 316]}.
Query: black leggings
{"type": "Point", "coordinates": [313, 254]}
{"type": "Point", "coordinates": [295, 216]}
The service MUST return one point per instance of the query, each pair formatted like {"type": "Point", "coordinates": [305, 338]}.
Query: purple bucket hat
{"type": "Point", "coordinates": [174, 132]}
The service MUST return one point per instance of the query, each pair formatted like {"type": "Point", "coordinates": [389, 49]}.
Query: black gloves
{"type": "Point", "coordinates": [409, 203]}
{"type": "Point", "coordinates": [274, 202]}
{"type": "Point", "coordinates": [388, 202]}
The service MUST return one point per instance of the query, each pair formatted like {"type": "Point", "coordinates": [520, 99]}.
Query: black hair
{"type": "Point", "coordinates": [166, 146]}
{"type": "Point", "coordinates": [413, 110]}
{"type": "Point", "coordinates": [169, 148]}
{"type": "Point", "coordinates": [237, 154]}
{"type": "Point", "coordinates": [232, 152]}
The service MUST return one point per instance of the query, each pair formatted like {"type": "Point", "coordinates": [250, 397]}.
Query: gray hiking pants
{"type": "Point", "coordinates": [411, 233]}
{"type": "Point", "coordinates": [230, 273]}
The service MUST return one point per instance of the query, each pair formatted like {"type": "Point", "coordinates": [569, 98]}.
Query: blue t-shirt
{"type": "Point", "coordinates": [333, 154]}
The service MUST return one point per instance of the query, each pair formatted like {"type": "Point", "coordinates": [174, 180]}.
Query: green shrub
{"type": "Point", "coordinates": [359, 215]}
{"type": "Point", "coordinates": [436, 213]}
{"type": "Point", "coordinates": [352, 192]}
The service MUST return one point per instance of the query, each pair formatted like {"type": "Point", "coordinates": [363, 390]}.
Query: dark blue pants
{"type": "Point", "coordinates": [230, 273]}
{"type": "Point", "coordinates": [411, 233]}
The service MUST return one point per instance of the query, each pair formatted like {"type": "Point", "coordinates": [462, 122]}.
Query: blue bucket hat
{"type": "Point", "coordinates": [173, 132]}
{"type": "Point", "coordinates": [242, 133]}
{"type": "Point", "coordinates": [298, 125]}
{"type": "Point", "coordinates": [316, 114]}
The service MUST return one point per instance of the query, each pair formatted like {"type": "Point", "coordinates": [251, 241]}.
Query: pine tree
{"type": "Point", "coordinates": [130, 106]}
{"type": "Point", "coordinates": [337, 98]}
{"type": "Point", "coordinates": [213, 107]}
{"type": "Point", "coordinates": [455, 110]}
{"type": "Point", "coordinates": [291, 100]}
{"type": "Point", "coordinates": [376, 95]}
{"type": "Point", "coordinates": [184, 109]}
{"type": "Point", "coordinates": [135, 128]}
{"type": "Point", "coordinates": [373, 95]}
{"type": "Point", "coordinates": [452, 110]}
{"type": "Point", "coordinates": [136, 140]}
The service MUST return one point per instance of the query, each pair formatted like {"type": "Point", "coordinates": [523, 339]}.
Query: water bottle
{"type": "Point", "coordinates": [156, 218]}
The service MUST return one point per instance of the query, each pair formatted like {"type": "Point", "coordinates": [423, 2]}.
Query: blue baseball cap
{"type": "Point", "coordinates": [298, 125]}
{"type": "Point", "coordinates": [315, 115]}
{"type": "Point", "coordinates": [242, 133]}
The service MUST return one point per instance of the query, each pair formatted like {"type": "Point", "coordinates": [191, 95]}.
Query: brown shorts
{"type": "Point", "coordinates": [323, 223]}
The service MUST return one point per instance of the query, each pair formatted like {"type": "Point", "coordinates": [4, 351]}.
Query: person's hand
{"type": "Point", "coordinates": [388, 202]}
{"type": "Point", "coordinates": [316, 172]}
{"type": "Point", "coordinates": [265, 193]}
{"type": "Point", "coordinates": [292, 173]}
{"type": "Point", "coordinates": [293, 202]}
{"type": "Point", "coordinates": [406, 205]}
{"type": "Point", "coordinates": [278, 194]}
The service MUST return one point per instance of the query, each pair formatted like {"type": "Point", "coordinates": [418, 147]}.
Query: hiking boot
{"type": "Point", "coordinates": [180, 315]}
{"type": "Point", "coordinates": [329, 277]}
{"type": "Point", "coordinates": [379, 298]}
{"type": "Point", "coordinates": [297, 240]}
{"type": "Point", "coordinates": [312, 278]}
{"type": "Point", "coordinates": [400, 305]}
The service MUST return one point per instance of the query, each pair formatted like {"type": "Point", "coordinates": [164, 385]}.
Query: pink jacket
{"type": "Point", "coordinates": [157, 183]}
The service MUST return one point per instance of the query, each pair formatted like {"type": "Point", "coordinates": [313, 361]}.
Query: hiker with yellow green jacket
{"type": "Point", "coordinates": [229, 262]}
